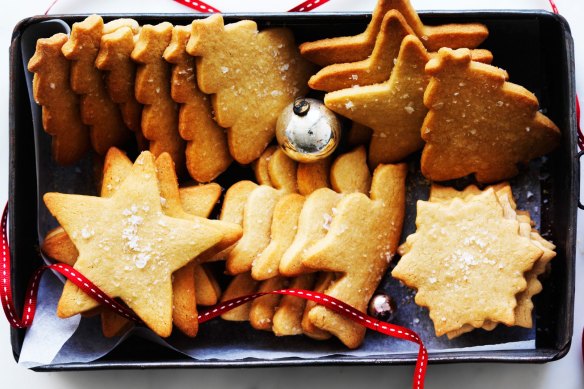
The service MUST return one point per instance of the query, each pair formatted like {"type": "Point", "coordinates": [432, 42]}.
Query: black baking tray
{"type": "Point", "coordinates": [535, 47]}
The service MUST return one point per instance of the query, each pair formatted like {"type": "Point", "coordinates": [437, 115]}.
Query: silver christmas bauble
{"type": "Point", "coordinates": [307, 130]}
{"type": "Point", "coordinates": [382, 307]}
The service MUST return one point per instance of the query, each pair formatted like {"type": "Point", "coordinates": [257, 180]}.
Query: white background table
{"type": "Point", "coordinates": [566, 373]}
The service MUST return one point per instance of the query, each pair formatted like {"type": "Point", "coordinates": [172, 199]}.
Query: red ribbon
{"type": "Point", "coordinates": [206, 8]}
{"type": "Point", "coordinates": [98, 295]}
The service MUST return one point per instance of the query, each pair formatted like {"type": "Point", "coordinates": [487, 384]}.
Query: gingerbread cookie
{"type": "Point", "coordinates": [207, 154]}
{"type": "Point", "coordinates": [60, 105]}
{"type": "Point", "coordinates": [251, 83]}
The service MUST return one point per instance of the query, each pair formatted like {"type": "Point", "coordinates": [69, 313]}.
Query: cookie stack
{"type": "Point", "coordinates": [474, 260]}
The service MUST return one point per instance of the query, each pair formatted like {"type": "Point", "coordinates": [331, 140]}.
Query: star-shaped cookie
{"type": "Point", "coordinates": [467, 262]}
{"type": "Point", "coordinates": [128, 246]}
{"type": "Point", "coordinates": [394, 110]}
{"type": "Point", "coordinates": [357, 48]}
{"type": "Point", "coordinates": [376, 68]}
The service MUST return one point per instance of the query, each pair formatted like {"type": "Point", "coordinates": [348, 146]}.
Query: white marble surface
{"type": "Point", "coordinates": [567, 372]}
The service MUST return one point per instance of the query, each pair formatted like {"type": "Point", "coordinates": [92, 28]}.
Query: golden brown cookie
{"type": "Point", "coordinates": [313, 176]}
{"type": "Point", "coordinates": [363, 237]}
{"type": "Point", "coordinates": [207, 289]}
{"type": "Point", "coordinates": [359, 134]}
{"type": "Point", "coordinates": [98, 111]}
{"type": "Point", "coordinates": [160, 112]}
{"type": "Point", "coordinates": [461, 250]}
{"type": "Point", "coordinates": [283, 231]}
{"type": "Point", "coordinates": [287, 319]}
{"type": "Point", "coordinates": [374, 69]}
{"type": "Point", "coordinates": [323, 281]}
{"type": "Point", "coordinates": [359, 47]}
{"type": "Point", "coordinates": [199, 200]}
{"type": "Point", "coordinates": [251, 83]}
{"type": "Point", "coordinates": [241, 285]}
{"type": "Point", "coordinates": [394, 110]}
{"type": "Point", "coordinates": [257, 222]}
{"type": "Point", "coordinates": [313, 224]}
{"type": "Point", "coordinates": [282, 171]}
{"type": "Point", "coordinates": [260, 166]}
{"type": "Point", "coordinates": [263, 308]}
{"type": "Point", "coordinates": [125, 232]}
{"type": "Point", "coordinates": [207, 154]}
{"type": "Point", "coordinates": [60, 105]}
{"type": "Point", "coordinates": [350, 173]}
{"type": "Point", "coordinates": [114, 59]}
{"type": "Point", "coordinates": [498, 124]}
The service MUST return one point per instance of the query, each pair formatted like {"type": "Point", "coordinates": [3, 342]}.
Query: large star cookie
{"type": "Point", "coordinates": [128, 246]}
{"type": "Point", "coordinates": [394, 110]}
{"type": "Point", "coordinates": [478, 122]}
{"type": "Point", "coordinates": [467, 262]}
{"type": "Point", "coordinates": [252, 75]}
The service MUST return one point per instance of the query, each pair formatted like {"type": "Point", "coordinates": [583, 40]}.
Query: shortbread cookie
{"type": "Point", "coordinates": [160, 112]}
{"type": "Point", "coordinates": [199, 200]}
{"type": "Point", "coordinates": [241, 285]}
{"type": "Point", "coordinates": [257, 221]}
{"type": "Point", "coordinates": [374, 69]}
{"type": "Point", "coordinates": [350, 173]}
{"type": "Point", "coordinates": [313, 224]}
{"type": "Point", "coordinates": [207, 154]}
{"type": "Point", "coordinates": [98, 111]}
{"type": "Point", "coordinates": [394, 110]}
{"type": "Point", "coordinates": [287, 319]}
{"type": "Point", "coordinates": [57, 244]}
{"type": "Point", "coordinates": [251, 83]}
{"type": "Point", "coordinates": [359, 134]}
{"type": "Point", "coordinates": [460, 250]}
{"type": "Point", "coordinates": [323, 281]}
{"type": "Point", "coordinates": [282, 171]}
{"type": "Point", "coordinates": [263, 308]}
{"type": "Point", "coordinates": [363, 237]}
{"type": "Point", "coordinates": [125, 232]}
{"type": "Point", "coordinates": [313, 176]}
{"type": "Point", "coordinates": [501, 126]}
{"type": "Point", "coordinates": [60, 105]}
{"type": "Point", "coordinates": [114, 59]}
{"type": "Point", "coordinates": [207, 289]}
{"type": "Point", "coordinates": [359, 47]}
{"type": "Point", "coordinates": [283, 231]}
{"type": "Point", "coordinates": [260, 166]}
